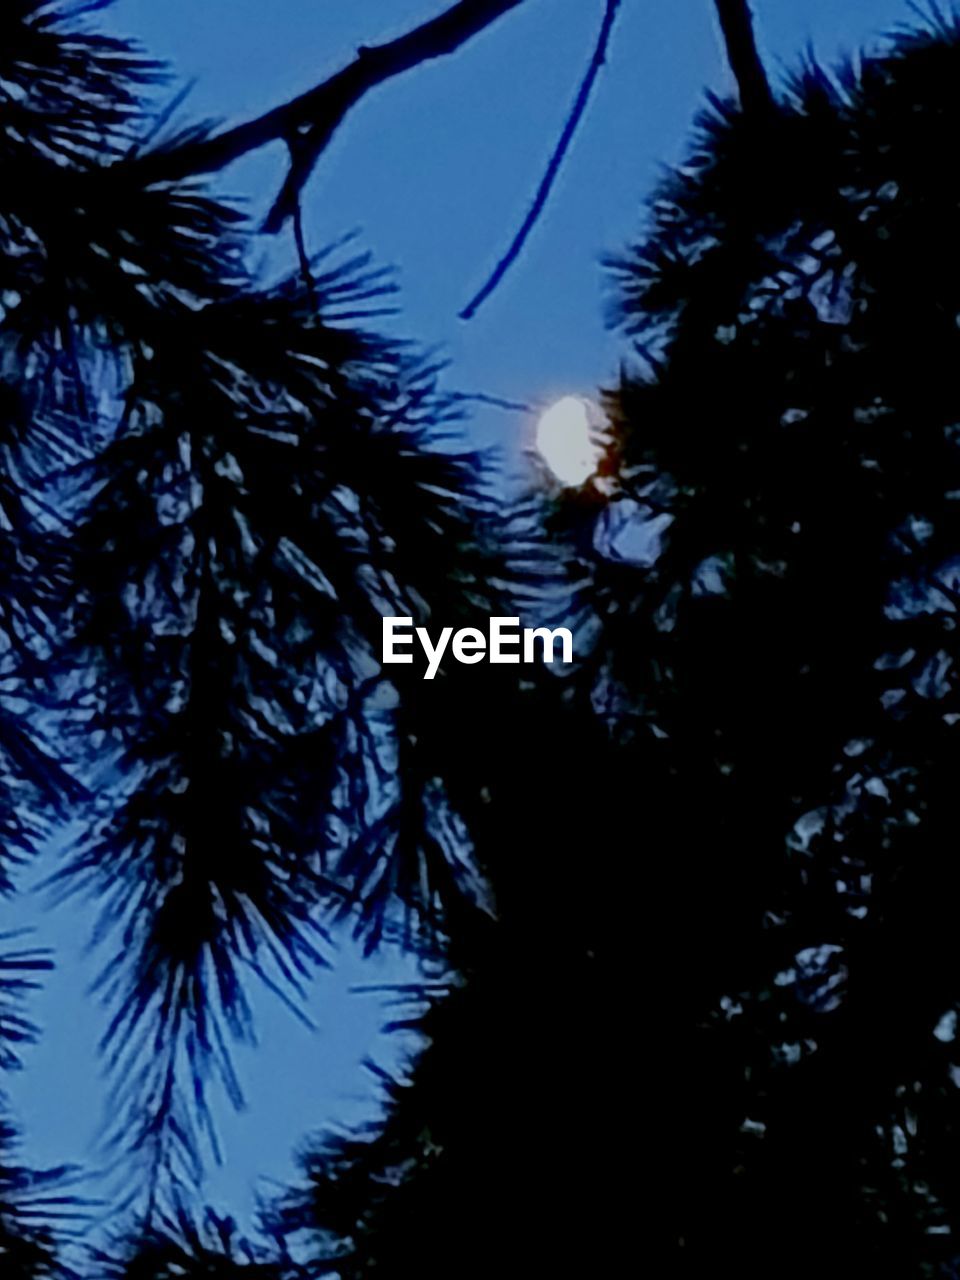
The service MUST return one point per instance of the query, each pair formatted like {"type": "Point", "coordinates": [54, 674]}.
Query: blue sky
{"type": "Point", "coordinates": [435, 170]}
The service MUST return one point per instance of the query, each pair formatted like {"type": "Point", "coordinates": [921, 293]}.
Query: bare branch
{"type": "Point", "coordinates": [736, 22]}
{"type": "Point", "coordinates": [570, 127]}
{"type": "Point", "coordinates": [308, 123]}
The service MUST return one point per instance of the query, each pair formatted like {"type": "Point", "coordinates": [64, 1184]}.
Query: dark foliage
{"type": "Point", "coordinates": [715, 1024]}
{"type": "Point", "coordinates": [793, 651]}
{"type": "Point", "coordinates": [720, 854]}
{"type": "Point", "coordinates": [178, 1247]}
{"type": "Point", "coordinates": [226, 486]}
{"type": "Point", "coordinates": [502, 1153]}
{"type": "Point", "coordinates": [34, 1204]}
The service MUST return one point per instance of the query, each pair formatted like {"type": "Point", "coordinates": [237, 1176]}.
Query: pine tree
{"type": "Point", "coordinates": [749, 818]}
{"type": "Point", "coordinates": [212, 490]}
{"type": "Point", "coordinates": [36, 1206]}
{"type": "Point", "coordinates": [791, 411]}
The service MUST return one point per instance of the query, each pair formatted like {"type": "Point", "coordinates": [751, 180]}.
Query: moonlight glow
{"type": "Point", "coordinates": [566, 440]}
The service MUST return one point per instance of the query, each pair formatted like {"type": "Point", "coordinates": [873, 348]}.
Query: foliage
{"type": "Point", "coordinates": [750, 821]}
{"type": "Point", "coordinates": [792, 425]}
{"type": "Point", "coordinates": [230, 484]}
{"type": "Point", "coordinates": [715, 862]}
{"type": "Point", "coordinates": [33, 1203]}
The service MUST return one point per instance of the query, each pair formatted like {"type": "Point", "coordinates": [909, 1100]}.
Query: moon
{"type": "Point", "coordinates": [567, 440]}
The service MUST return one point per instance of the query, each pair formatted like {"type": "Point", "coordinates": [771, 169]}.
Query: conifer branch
{"type": "Point", "coordinates": [308, 122]}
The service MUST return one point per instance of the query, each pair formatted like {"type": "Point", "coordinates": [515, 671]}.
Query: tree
{"type": "Point", "coordinates": [245, 482]}
{"type": "Point", "coordinates": [212, 491]}
{"type": "Point", "coordinates": [765, 737]}
{"type": "Point", "coordinates": [792, 412]}
{"type": "Point", "coordinates": [726, 829]}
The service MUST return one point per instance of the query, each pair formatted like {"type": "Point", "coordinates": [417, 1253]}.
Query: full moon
{"type": "Point", "coordinates": [566, 440]}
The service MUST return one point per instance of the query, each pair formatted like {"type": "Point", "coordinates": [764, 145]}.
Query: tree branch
{"type": "Point", "coordinates": [553, 167]}
{"type": "Point", "coordinates": [307, 123]}
{"type": "Point", "coordinates": [736, 22]}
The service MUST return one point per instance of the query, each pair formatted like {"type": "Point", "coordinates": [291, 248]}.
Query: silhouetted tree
{"type": "Point", "coordinates": [695, 897]}
{"type": "Point", "coordinates": [792, 415]}
{"type": "Point", "coordinates": [716, 1021]}
{"type": "Point", "coordinates": [212, 491]}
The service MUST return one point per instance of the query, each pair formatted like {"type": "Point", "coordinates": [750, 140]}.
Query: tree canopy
{"type": "Point", "coordinates": [692, 899]}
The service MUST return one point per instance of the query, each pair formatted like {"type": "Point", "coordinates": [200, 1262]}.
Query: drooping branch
{"type": "Point", "coordinates": [308, 122]}
{"type": "Point", "coordinates": [736, 22]}
{"type": "Point", "coordinates": [554, 165]}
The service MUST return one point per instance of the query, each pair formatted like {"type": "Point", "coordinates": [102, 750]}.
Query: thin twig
{"type": "Point", "coordinates": [495, 402]}
{"type": "Point", "coordinates": [555, 164]}
{"type": "Point", "coordinates": [306, 271]}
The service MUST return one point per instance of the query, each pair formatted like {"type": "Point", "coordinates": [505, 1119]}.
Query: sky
{"type": "Point", "coordinates": [435, 171]}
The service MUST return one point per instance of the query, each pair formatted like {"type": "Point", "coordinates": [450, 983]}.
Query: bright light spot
{"type": "Point", "coordinates": [946, 1028]}
{"type": "Point", "coordinates": [567, 440]}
